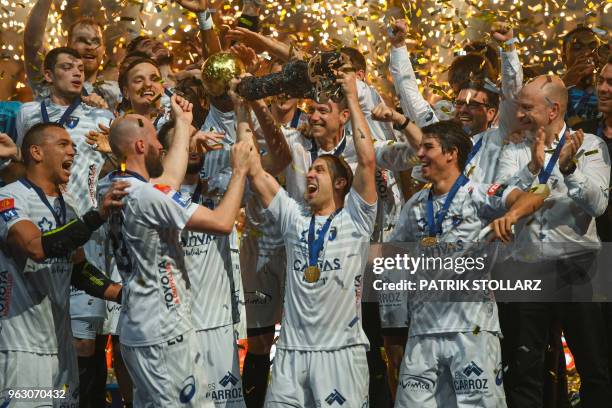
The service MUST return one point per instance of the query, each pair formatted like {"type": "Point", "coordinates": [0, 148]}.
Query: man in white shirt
{"type": "Point", "coordinates": [321, 356]}
{"type": "Point", "coordinates": [559, 242]}
{"type": "Point", "coordinates": [156, 329]}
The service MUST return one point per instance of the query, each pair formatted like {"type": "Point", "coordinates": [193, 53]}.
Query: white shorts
{"type": "Point", "coordinates": [22, 370]}
{"type": "Point", "coordinates": [319, 378]}
{"type": "Point", "coordinates": [86, 327]}
{"type": "Point", "coordinates": [470, 363]}
{"type": "Point", "coordinates": [221, 364]}
{"type": "Point", "coordinates": [264, 280]}
{"type": "Point", "coordinates": [167, 374]}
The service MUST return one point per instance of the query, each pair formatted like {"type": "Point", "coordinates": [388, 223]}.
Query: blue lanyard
{"type": "Point", "coordinates": [73, 105]}
{"type": "Point", "coordinates": [315, 246]}
{"type": "Point", "coordinates": [60, 219]}
{"type": "Point", "coordinates": [314, 150]}
{"type": "Point", "coordinates": [435, 226]}
{"type": "Point", "coordinates": [582, 102]}
{"type": "Point", "coordinates": [127, 173]}
{"type": "Point", "coordinates": [197, 193]}
{"type": "Point", "coordinates": [473, 152]}
{"type": "Point", "coordinates": [295, 121]}
{"type": "Point", "coordinates": [547, 171]}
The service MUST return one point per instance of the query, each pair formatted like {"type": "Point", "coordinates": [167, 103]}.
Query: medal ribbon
{"type": "Point", "coordinates": [314, 150]}
{"type": "Point", "coordinates": [60, 219]}
{"type": "Point", "coordinates": [435, 226]}
{"type": "Point", "coordinates": [473, 152]}
{"type": "Point", "coordinates": [315, 246]}
{"type": "Point", "coordinates": [73, 105]}
{"type": "Point", "coordinates": [547, 171]}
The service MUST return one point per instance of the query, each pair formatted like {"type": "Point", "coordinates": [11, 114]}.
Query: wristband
{"type": "Point", "coordinates": [249, 22]}
{"type": "Point", "coordinates": [568, 170]}
{"type": "Point", "coordinates": [508, 43]}
{"type": "Point", "coordinates": [403, 125]}
{"type": "Point", "coordinates": [89, 279]}
{"type": "Point", "coordinates": [205, 21]}
{"type": "Point", "coordinates": [93, 220]}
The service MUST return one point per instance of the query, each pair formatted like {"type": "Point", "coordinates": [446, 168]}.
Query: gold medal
{"type": "Point", "coordinates": [429, 241]}
{"type": "Point", "coordinates": [541, 189]}
{"type": "Point", "coordinates": [312, 274]}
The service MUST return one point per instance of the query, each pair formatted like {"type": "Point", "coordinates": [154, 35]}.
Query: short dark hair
{"type": "Point", "coordinates": [486, 50]}
{"type": "Point", "coordinates": [51, 57]}
{"type": "Point", "coordinates": [450, 135]}
{"type": "Point", "coordinates": [129, 62]}
{"type": "Point", "coordinates": [470, 68]}
{"type": "Point", "coordinates": [191, 88]}
{"type": "Point", "coordinates": [164, 132]}
{"type": "Point", "coordinates": [492, 97]}
{"type": "Point", "coordinates": [339, 168]}
{"type": "Point", "coordinates": [358, 61]}
{"type": "Point", "coordinates": [35, 136]}
{"type": "Point", "coordinates": [88, 21]}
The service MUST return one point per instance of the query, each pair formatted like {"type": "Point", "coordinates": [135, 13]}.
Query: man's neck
{"type": "Point", "coordinates": [91, 78]}
{"type": "Point", "coordinates": [135, 166]}
{"type": "Point", "coordinates": [283, 116]}
{"type": "Point", "coordinates": [61, 99]}
{"type": "Point", "coordinates": [444, 182]}
{"type": "Point", "coordinates": [40, 177]}
{"type": "Point", "coordinates": [191, 179]}
{"type": "Point", "coordinates": [145, 110]}
{"type": "Point", "coordinates": [328, 208]}
{"type": "Point", "coordinates": [553, 132]}
{"type": "Point", "coordinates": [327, 143]}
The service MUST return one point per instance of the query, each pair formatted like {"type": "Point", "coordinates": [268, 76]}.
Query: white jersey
{"type": "Point", "coordinates": [88, 162]}
{"type": "Point", "coordinates": [472, 204]}
{"type": "Point", "coordinates": [34, 302]}
{"type": "Point", "coordinates": [326, 314]}
{"type": "Point", "coordinates": [565, 225]}
{"type": "Point", "coordinates": [146, 233]}
{"type": "Point", "coordinates": [209, 264]}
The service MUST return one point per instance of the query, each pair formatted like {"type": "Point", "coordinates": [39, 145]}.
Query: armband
{"type": "Point", "coordinates": [249, 22]}
{"type": "Point", "coordinates": [403, 125]}
{"type": "Point", "coordinates": [59, 242]}
{"type": "Point", "coordinates": [88, 278]}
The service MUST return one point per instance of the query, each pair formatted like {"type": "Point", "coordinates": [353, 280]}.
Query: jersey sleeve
{"type": "Point", "coordinates": [161, 206]}
{"type": "Point", "coordinates": [490, 199]}
{"type": "Point", "coordinates": [13, 208]}
{"type": "Point", "coordinates": [362, 213]}
{"type": "Point", "coordinates": [284, 210]}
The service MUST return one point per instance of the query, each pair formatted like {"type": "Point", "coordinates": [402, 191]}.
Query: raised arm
{"type": "Point", "coordinates": [260, 42]}
{"type": "Point", "coordinates": [175, 161]}
{"type": "Point", "coordinates": [404, 79]}
{"type": "Point", "coordinates": [364, 181]}
{"type": "Point", "coordinates": [208, 35]}
{"type": "Point", "coordinates": [33, 40]}
{"type": "Point", "coordinates": [221, 219]}
{"type": "Point", "coordinates": [278, 156]}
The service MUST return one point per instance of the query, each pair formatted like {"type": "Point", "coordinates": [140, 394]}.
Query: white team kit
{"type": "Point", "coordinates": [87, 312]}
{"type": "Point", "coordinates": [321, 349]}
{"type": "Point", "coordinates": [36, 349]}
{"type": "Point", "coordinates": [447, 339]}
{"type": "Point", "coordinates": [209, 264]}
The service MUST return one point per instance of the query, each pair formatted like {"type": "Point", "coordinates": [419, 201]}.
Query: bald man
{"type": "Point", "coordinates": [157, 337]}
{"type": "Point", "coordinates": [558, 245]}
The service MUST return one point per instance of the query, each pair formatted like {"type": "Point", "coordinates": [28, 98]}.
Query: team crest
{"type": "Point", "coordinates": [72, 122]}
{"type": "Point", "coordinates": [7, 209]}
{"type": "Point", "coordinates": [333, 231]}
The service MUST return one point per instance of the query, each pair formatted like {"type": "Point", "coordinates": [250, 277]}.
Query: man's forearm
{"type": "Point", "coordinates": [210, 42]}
{"type": "Point", "coordinates": [523, 204]}
{"type": "Point", "coordinates": [175, 161]}
{"type": "Point", "coordinates": [228, 208]}
{"type": "Point", "coordinates": [362, 137]}
{"type": "Point", "coordinates": [33, 37]}
{"type": "Point", "coordinates": [243, 124]}
{"type": "Point", "coordinates": [279, 155]}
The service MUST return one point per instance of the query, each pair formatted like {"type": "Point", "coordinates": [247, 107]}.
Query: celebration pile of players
{"type": "Point", "coordinates": [140, 204]}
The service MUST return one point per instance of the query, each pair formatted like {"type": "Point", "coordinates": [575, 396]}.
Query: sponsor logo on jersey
{"type": "Point", "coordinates": [326, 265]}
{"type": "Point", "coordinates": [496, 189]}
{"type": "Point", "coordinates": [229, 378]}
{"type": "Point", "coordinates": [180, 200]}
{"type": "Point", "coordinates": [72, 122]}
{"type": "Point", "coordinates": [45, 225]}
{"type": "Point", "coordinates": [6, 290]}
{"type": "Point", "coordinates": [229, 392]}
{"type": "Point", "coordinates": [188, 390]}
{"type": "Point", "coordinates": [7, 209]}
{"type": "Point", "coordinates": [195, 239]}
{"type": "Point", "coordinates": [164, 188]}
{"type": "Point", "coordinates": [499, 377]}
{"type": "Point", "coordinates": [416, 383]}
{"type": "Point", "coordinates": [335, 396]}
{"type": "Point", "coordinates": [166, 278]}
{"type": "Point", "coordinates": [469, 380]}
